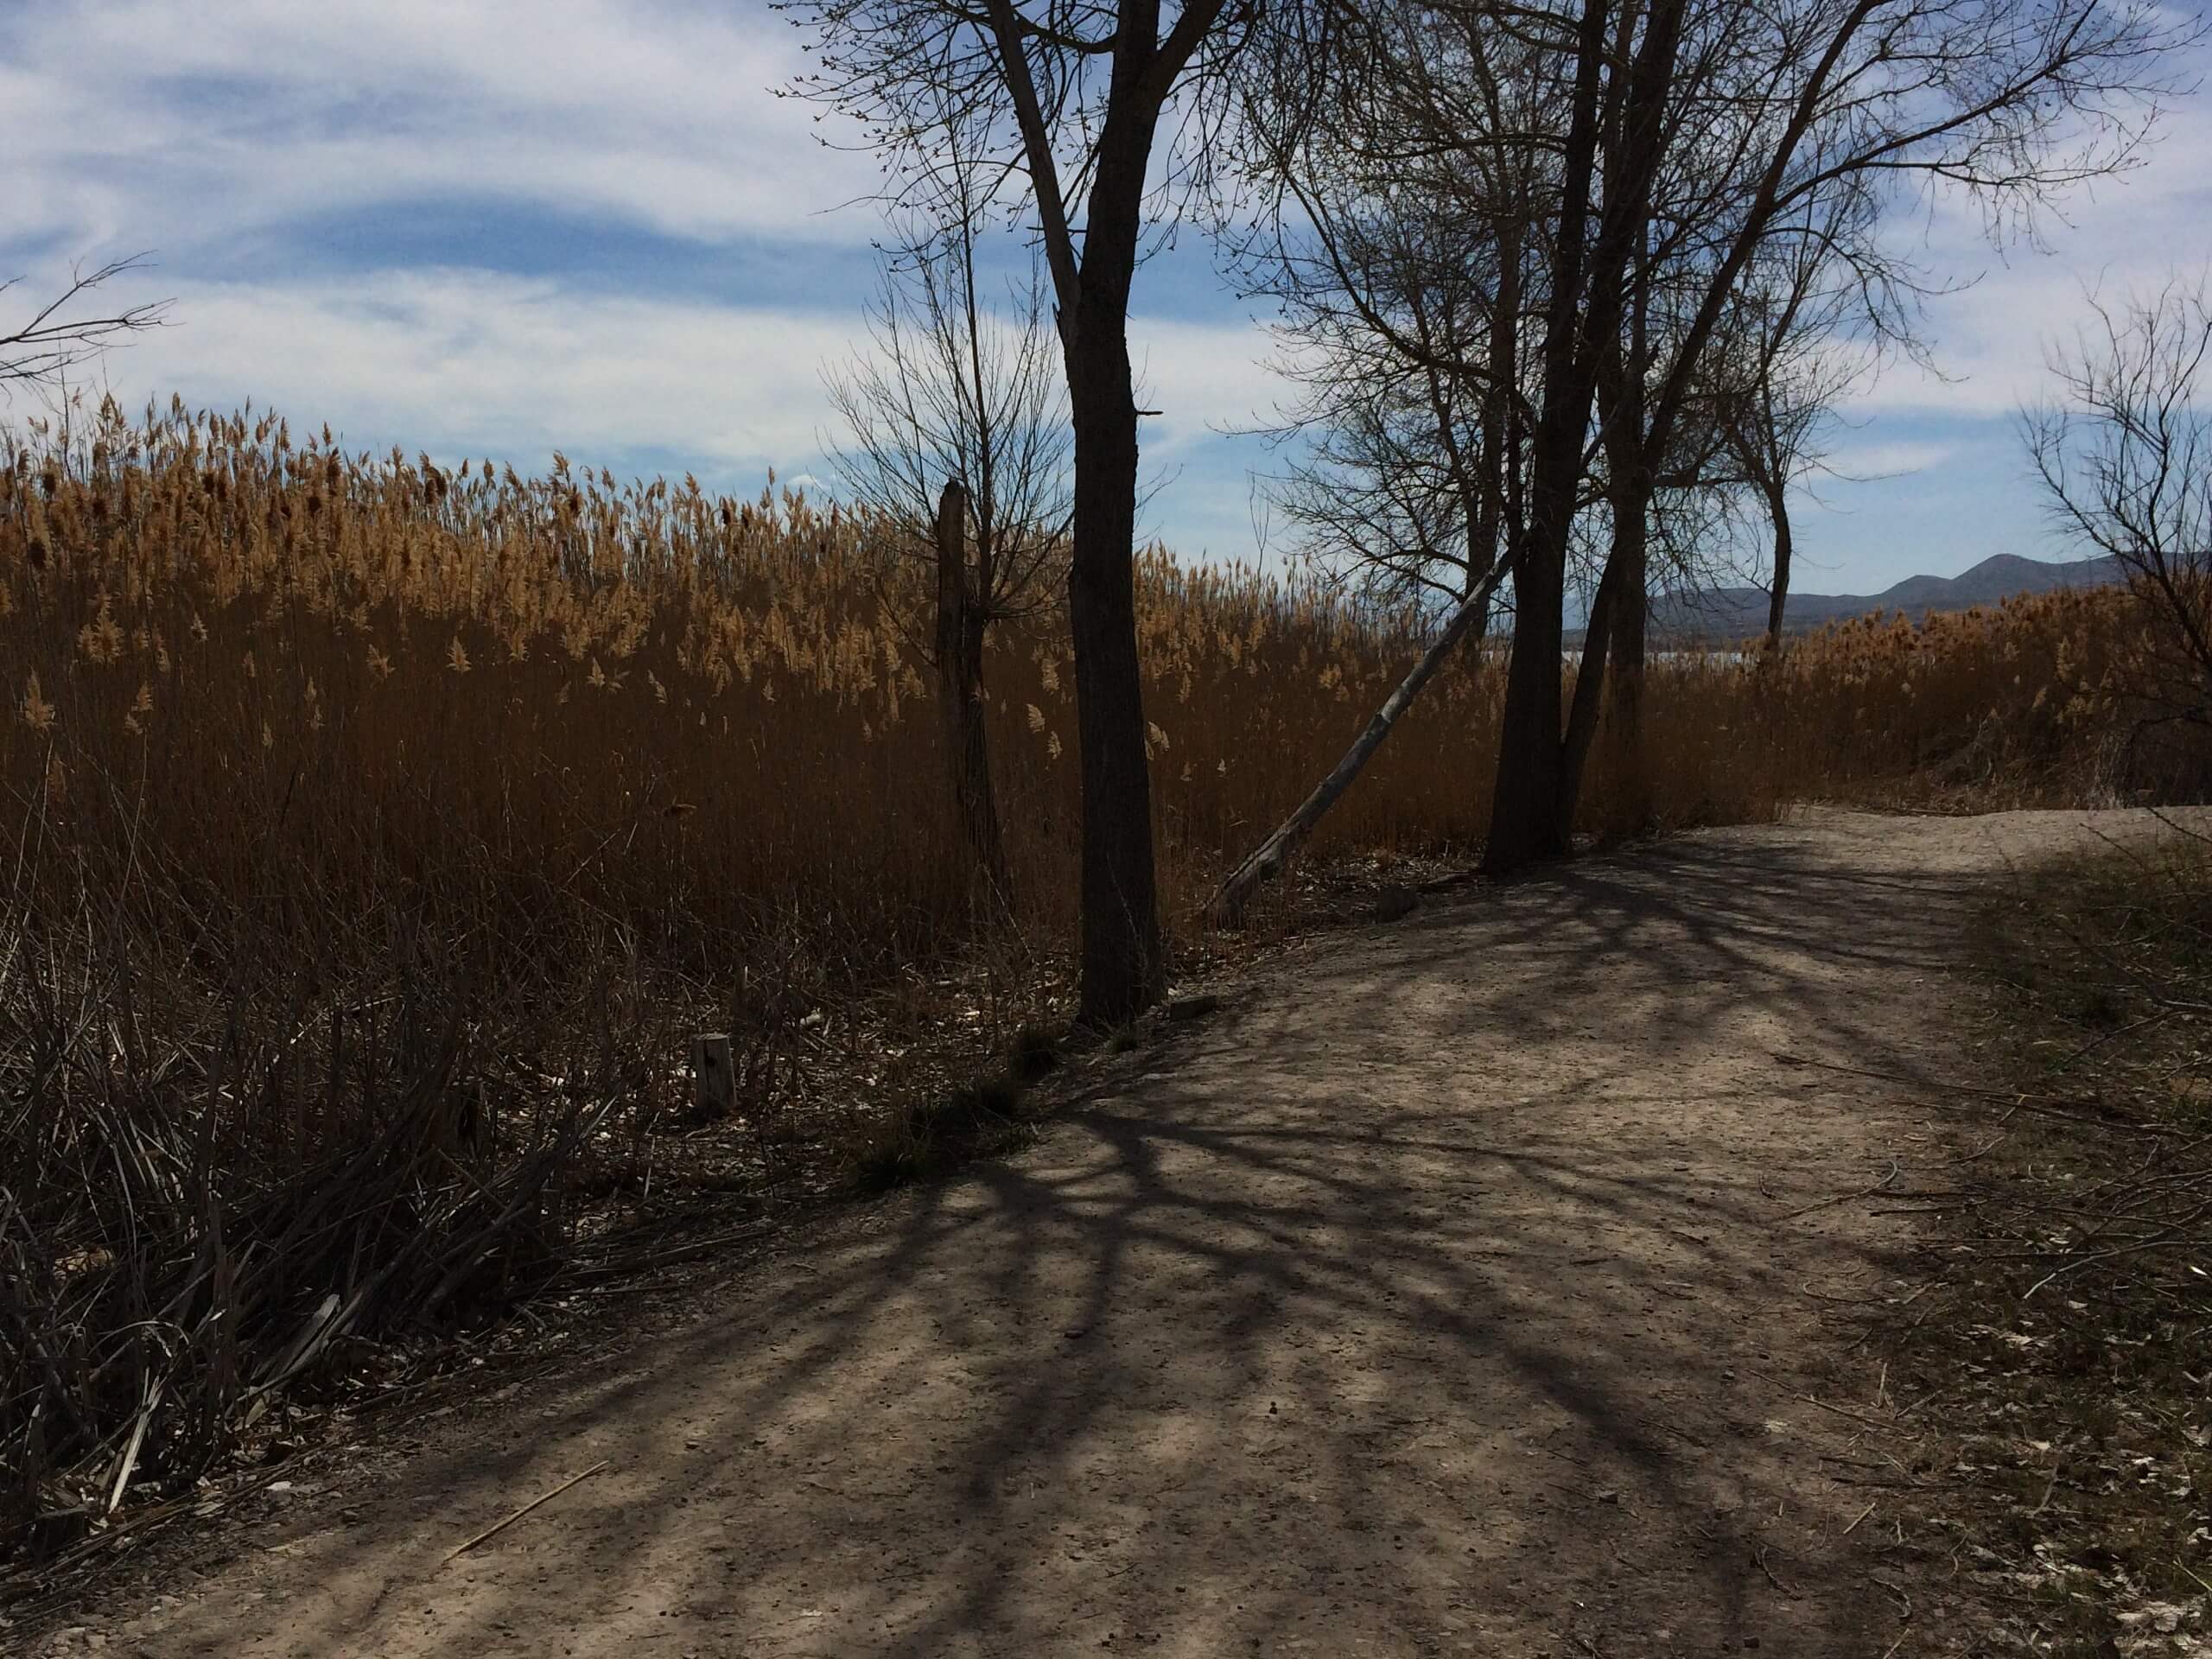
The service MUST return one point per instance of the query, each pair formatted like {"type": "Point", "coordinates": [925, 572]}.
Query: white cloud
{"type": "Point", "coordinates": [1881, 459]}
{"type": "Point", "coordinates": [458, 361]}
{"type": "Point", "coordinates": [1990, 338]}
{"type": "Point", "coordinates": [143, 123]}
{"type": "Point", "coordinates": [512, 366]}
{"type": "Point", "coordinates": [211, 131]}
{"type": "Point", "coordinates": [202, 132]}
{"type": "Point", "coordinates": [1202, 378]}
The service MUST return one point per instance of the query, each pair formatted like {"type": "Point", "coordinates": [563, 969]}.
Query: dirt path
{"type": "Point", "coordinates": [1444, 1294]}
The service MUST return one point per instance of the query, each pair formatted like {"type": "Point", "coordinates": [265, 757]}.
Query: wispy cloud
{"type": "Point", "coordinates": [1894, 458]}
{"type": "Point", "coordinates": [1990, 336]}
{"type": "Point", "coordinates": [146, 121]}
{"type": "Point", "coordinates": [470, 361]}
{"type": "Point", "coordinates": [476, 227]}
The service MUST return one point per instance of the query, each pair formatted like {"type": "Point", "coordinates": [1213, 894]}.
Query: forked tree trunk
{"type": "Point", "coordinates": [1524, 805]}
{"type": "Point", "coordinates": [960, 622]}
{"type": "Point", "coordinates": [1532, 810]}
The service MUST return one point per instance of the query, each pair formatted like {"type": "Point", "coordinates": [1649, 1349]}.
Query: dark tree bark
{"type": "Point", "coordinates": [1124, 968]}
{"type": "Point", "coordinates": [1625, 747]}
{"type": "Point", "coordinates": [1057, 104]}
{"type": "Point", "coordinates": [1495, 512]}
{"type": "Point", "coordinates": [1123, 964]}
{"type": "Point", "coordinates": [1589, 686]}
{"type": "Point", "coordinates": [1524, 811]}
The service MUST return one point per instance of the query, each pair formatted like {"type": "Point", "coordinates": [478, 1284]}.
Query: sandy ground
{"type": "Point", "coordinates": [1444, 1293]}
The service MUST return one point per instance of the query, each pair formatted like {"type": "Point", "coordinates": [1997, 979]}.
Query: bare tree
{"type": "Point", "coordinates": [2124, 450]}
{"type": "Point", "coordinates": [73, 328]}
{"type": "Point", "coordinates": [1777, 371]}
{"type": "Point", "coordinates": [1680, 143]}
{"type": "Point", "coordinates": [1403, 261]}
{"type": "Point", "coordinates": [1792, 338]}
{"type": "Point", "coordinates": [958, 440]}
{"type": "Point", "coordinates": [1063, 102]}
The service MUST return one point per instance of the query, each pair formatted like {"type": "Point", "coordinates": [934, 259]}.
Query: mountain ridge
{"type": "Point", "coordinates": [1713, 615]}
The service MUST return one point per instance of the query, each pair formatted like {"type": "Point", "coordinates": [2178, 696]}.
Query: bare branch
{"type": "Point", "coordinates": [62, 335]}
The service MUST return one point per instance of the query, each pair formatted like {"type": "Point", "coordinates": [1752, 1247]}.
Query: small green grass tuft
{"type": "Point", "coordinates": [981, 1118]}
{"type": "Point", "coordinates": [1036, 1051]}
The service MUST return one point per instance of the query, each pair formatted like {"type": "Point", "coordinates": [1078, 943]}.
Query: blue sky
{"type": "Point", "coordinates": [477, 228]}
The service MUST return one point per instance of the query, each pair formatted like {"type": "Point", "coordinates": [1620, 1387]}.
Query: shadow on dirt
{"type": "Point", "coordinates": [1448, 1294]}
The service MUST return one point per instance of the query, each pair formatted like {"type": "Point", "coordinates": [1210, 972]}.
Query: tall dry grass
{"type": "Point", "coordinates": [374, 833]}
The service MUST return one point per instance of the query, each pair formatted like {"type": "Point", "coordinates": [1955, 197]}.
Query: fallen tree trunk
{"type": "Point", "coordinates": [1267, 860]}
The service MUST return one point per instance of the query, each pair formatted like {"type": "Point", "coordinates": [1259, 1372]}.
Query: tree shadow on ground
{"type": "Point", "coordinates": [1454, 1291]}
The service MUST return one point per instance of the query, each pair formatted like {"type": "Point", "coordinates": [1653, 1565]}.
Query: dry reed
{"type": "Point", "coordinates": [376, 829]}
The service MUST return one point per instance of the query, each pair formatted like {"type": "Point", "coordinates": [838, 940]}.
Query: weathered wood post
{"type": "Point", "coordinates": [713, 1081]}
{"type": "Point", "coordinates": [961, 615]}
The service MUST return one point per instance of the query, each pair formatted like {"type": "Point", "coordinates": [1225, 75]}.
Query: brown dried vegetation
{"type": "Point", "coordinates": [2056, 1358]}
{"type": "Point", "coordinates": [376, 833]}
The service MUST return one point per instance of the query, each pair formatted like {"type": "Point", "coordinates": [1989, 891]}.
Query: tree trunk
{"type": "Point", "coordinates": [1631, 762]}
{"type": "Point", "coordinates": [1777, 507]}
{"type": "Point", "coordinates": [1630, 460]}
{"type": "Point", "coordinates": [1123, 965]}
{"type": "Point", "coordinates": [960, 623]}
{"type": "Point", "coordinates": [1589, 687]}
{"type": "Point", "coordinates": [1524, 806]}
{"type": "Point", "coordinates": [1486, 551]}
{"type": "Point", "coordinates": [1123, 969]}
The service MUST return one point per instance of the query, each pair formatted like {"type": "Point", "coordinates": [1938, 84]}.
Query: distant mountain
{"type": "Point", "coordinates": [1731, 613]}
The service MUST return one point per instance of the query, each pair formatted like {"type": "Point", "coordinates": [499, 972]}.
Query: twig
{"type": "Point", "coordinates": [494, 1531]}
{"type": "Point", "coordinates": [1846, 1197]}
{"type": "Point", "coordinates": [1853, 1527]}
{"type": "Point", "coordinates": [2050, 1486]}
{"type": "Point", "coordinates": [1840, 1411]}
{"type": "Point", "coordinates": [2048, 1105]}
{"type": "Point", "coordinates": [628, 1264]}
{"type": "Point", "coordinates": [2166, 1240]}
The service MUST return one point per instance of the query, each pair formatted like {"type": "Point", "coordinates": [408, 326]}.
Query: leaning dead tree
{"type": "Point", "coordinates": [956, 436]}
{"type": "Point", "coordinates": [1267, 860]}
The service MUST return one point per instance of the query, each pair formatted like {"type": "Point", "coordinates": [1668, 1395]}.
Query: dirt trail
{"type": "Point", "coordinates": [1442, 1294]}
